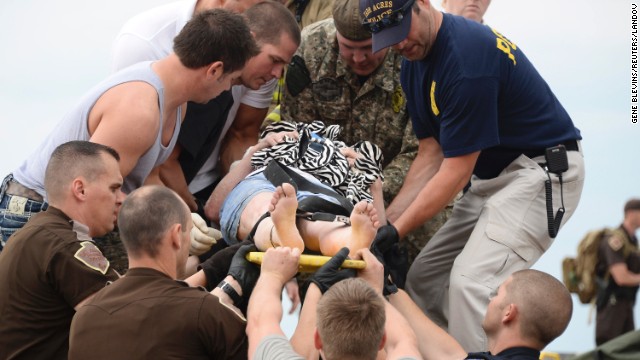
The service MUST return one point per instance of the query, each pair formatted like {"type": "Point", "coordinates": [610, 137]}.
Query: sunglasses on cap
{"type": "Point", "coordinates": [393, 19]}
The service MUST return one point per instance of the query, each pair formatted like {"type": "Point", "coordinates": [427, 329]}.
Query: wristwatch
{"type": "Point", "coordinates": [229, 290]}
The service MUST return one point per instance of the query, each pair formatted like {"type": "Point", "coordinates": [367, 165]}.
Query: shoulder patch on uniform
{"type": "Point", "coordinates": [615, 243]}
{"type": "Point", "coordinates": [398, 100]}
{"type": "Point", "coordinates": [297, 77]}
{"type": "Point", "coordinates": [92, 257]}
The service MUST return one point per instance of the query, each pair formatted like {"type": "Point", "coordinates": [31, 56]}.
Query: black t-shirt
{"type": "Point", "coordinates": [200, 132]}
{"type": "Point", "coordinates": [515, 353]}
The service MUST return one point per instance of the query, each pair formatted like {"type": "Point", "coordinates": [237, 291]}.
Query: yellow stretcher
{"type": "Point", "coordinates": [310, 263]}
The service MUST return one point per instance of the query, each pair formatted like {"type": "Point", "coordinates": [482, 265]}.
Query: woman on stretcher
{"type": "Point", "coordinates": [316, 167]}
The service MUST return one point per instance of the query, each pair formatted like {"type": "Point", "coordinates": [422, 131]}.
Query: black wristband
{"type": "Point", "coordinates": [229, 290]}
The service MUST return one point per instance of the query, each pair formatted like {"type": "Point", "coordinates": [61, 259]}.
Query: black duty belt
{"type": "Point", "coordinates": [570, 145]}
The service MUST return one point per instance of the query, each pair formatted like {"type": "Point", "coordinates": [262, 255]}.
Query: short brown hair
{"type": "Point", "coordinates": [73, 159]}
{"type": "Point", "coordinates": [350, 320]}
{"type": "Point", "coordinates": [632, 204]}
{"type": "Point", "coordinates": [268, 20]}
{"type": "Point", "coordinates": [146, 215]}
{"type": "Point", "coordinates": [215, 35]}
{"type": "Point", "coordinates": [544, 304]}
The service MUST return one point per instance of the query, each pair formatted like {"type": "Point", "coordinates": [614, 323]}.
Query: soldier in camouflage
{"type": "Point", "coordinates": [335, 77]}
{"type": "Point", "coordinates": [309, 11]}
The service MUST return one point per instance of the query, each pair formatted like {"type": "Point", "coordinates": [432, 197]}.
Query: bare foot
{"type": "Point", "coordinates": [283, 214]}
{"type": "Point", "coordinates": [364, 224]}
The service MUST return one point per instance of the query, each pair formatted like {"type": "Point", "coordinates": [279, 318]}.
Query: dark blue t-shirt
{"type": "Point", "coordinates": [476, 90]}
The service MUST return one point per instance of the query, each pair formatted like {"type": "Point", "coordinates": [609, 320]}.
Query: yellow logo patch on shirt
{"type": "Point", "coordinates": [398, 100]}
{"type": "Point", "coordinates": [432, 93]}
{"type": "Point", "coordinates": [90, 255]}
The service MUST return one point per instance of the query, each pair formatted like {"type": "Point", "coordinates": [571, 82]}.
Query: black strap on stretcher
{"type": "Point", "coordinates": [312, 208]}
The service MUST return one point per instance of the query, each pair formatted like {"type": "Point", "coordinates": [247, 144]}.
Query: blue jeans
{"type": "Point", "coordinates": [15, 211]}
{"type": "Point", "coordinates": [239, 197]}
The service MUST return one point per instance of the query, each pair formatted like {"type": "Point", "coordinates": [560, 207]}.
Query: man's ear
{"type": "Point", "coordinates": [78, 188]}
{"type": "Point", "coordinates": [510, 313]}
{"type": "Point", "coordinates": [175, 232]}
{"type": "Point", "coordinates": [317, 342]}
{"type": "Point", "coordinates": [215, 70]}
{"type": "Point", "coordinates": [383, 341]}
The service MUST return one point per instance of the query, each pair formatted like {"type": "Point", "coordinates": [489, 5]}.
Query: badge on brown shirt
{"type": "Point", "coordinates": [615, 242]}
{"type": "Point", "coordinates": [90, 255]}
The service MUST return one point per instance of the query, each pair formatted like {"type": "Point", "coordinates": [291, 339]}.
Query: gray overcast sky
{"type": "Point", "coordinates": [52, 52]}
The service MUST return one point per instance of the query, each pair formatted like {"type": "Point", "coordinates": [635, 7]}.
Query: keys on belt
{"type": "Point", "coordinates": [17, 189]}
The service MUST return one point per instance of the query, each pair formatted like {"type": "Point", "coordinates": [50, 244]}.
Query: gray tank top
{"type": "Point", "coordinates": [74, 126]}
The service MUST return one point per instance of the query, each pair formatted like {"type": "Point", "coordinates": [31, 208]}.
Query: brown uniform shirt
{"type": "Point", "coordinates": [615, 313]}
{"type": "Point", "coordinates": [616, 249]}
{"type": "Point", "coordinates": [48, 267]}
{"type": "Point", "coordinates": [147, 315]}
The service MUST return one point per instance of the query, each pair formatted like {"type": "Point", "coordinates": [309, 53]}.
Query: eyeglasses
{"type": "Point", "coordinates": [393, 19]}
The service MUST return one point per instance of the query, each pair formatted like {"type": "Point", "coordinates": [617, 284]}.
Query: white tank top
{"type": "Point", "coordinates": [74, 126]}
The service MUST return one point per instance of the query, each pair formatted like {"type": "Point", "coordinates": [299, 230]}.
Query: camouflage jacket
{"type": "Point", "coordinates": [375, 111]}
{"type": "Point", "coordinates": [315, 10]}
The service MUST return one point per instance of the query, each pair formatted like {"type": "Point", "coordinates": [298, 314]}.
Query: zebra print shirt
{"type": "Point", "coordinates": [317, 152]}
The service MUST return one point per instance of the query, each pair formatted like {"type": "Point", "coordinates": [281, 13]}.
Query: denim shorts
{"type": "Point", "coordinates": [241, 195]}
{"type": "Point", "coordinates": [12, 220]}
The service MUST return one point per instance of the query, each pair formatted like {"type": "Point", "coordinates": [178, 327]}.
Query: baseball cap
{"type": "Point", "coordinates": [388, 20]}
{"type": "Point", "coordinates": [633, 204]}
{"type": "Point", "coordinates": [346, 17]}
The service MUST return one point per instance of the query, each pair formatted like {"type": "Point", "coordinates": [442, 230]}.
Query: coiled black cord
{"type": "Point", "coordinates": [553, 222]}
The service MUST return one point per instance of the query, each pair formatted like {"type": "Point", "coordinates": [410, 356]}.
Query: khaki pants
{"type": "Point", "coordinates": [498, 227]}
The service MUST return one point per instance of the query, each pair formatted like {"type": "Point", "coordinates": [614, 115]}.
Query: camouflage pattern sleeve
{"type": "Point", "coordinates": [300, 107]}
{"type": "Point", "coordinates": [314, 59]}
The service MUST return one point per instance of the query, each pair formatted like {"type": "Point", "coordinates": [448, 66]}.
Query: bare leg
{"type": "Point", "coordinates": [378, 200]}
{"type": "Point", "coordinates": [330, 237]}
{"type": "Point", "coordinates": [280, 228]}
{"type": "Point", "coordinates": [283, 214]}
{"type": "Point", "coordinates": [251, 214]}
{"type": "Point", "coordinates": [326, 237]}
